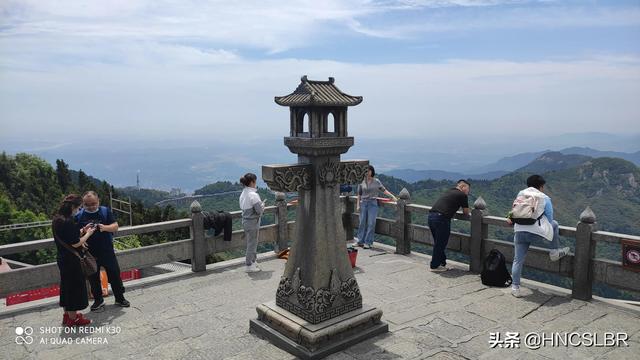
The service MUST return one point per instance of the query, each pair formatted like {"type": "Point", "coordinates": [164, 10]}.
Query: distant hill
{"type": "Point", "coordinates": [632, 157]}
{"type": "Point", "coordinates": [412, 175]}
{"type": "Point", "coordinates": [513, 163]}
{"type": "Point", "coordinates": [552, 161]}
{"type": "Point", "coordinates": [148, 197]}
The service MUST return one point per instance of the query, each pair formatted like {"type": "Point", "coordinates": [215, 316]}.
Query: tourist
{"type": "Point", "coordinates": [252, 208]}
{"type": "Point", "coordinates": [73, 292]}
{"type": "Point", "coordinates": [101, 247]}
{"type": "Point", "coordinates": [439, 220]}
{"type": "Point", "coordinates": [545, 229]}
{"type": "Point", "coordinates": [367, 205]}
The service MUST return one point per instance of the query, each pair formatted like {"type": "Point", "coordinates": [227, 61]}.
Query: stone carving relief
{"type": "Point", "coordinates": [289, 179]}
{"type": "Point", "coordinates": [321, 304]}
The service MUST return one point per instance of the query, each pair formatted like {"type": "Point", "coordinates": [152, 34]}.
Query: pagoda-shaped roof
{"type": "Point", "coordinates": [317, 93]}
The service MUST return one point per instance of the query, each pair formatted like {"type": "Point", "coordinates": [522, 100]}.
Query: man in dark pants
{"type": "Point", "coordinates": [101, 247]}
{"type": "Point", "coordinates": [440, 217]}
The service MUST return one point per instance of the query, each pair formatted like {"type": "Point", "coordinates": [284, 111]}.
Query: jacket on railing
{"type": "Point", "coordinates": [220, 221]}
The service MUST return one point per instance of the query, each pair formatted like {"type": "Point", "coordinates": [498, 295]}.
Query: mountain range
{"type": "Point", "coordinates": [508, 164]}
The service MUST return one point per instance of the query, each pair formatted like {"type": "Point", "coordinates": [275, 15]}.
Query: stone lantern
{"type": "Point", "coordinates": [318, 307]}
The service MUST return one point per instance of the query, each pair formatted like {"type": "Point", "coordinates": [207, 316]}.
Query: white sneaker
{"type": "Point", "coordinates": [440, 268]}
{"type": "Point", "coordinates": [252, 268]}
{"type": "Point", "coordinates": [557, 254]}
{"type": "Point", "coordinates": [367, 246]}
{"type": "Point", "coordinates": [515, 291]}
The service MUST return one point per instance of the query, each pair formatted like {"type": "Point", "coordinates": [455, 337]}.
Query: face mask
{"type": "Point", "coordinates": [91, 212]}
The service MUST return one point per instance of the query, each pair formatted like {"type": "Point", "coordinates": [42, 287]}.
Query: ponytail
{"type": "Point", "coordinates": [248, 178]}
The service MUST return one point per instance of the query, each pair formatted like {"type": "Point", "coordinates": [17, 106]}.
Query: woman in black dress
{"type": "Point", "coordinates": [73, 291]}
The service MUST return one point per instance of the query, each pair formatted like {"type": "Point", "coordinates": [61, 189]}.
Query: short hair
{"type": "Point", "coordinates": [92, 193]}
{"type": "Point", "coordinates": [373, 170]}
{"type": "Point", "coordinates": [463, 181]}
{"type": "Point", "coordinates": [535, 181]}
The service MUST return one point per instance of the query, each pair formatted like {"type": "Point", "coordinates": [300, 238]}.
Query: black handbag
{"type": "Point", "coordinates": [87, 261]}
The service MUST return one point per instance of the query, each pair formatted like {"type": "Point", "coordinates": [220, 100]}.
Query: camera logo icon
{"type": "Point", "coordinates": [23, 335]}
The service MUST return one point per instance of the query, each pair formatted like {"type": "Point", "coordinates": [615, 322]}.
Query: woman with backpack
{"type": "Point", "coordinates": [252, 208]}
{"type": "Point", "coordinates": [73, 291]}
{"type": "Point", "coordinates": [532, 216]}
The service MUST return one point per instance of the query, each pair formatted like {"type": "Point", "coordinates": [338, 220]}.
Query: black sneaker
{"type": "Point", "coordinates": [123, 303]}
{"type": "Point", "coordinates": [97, 305]}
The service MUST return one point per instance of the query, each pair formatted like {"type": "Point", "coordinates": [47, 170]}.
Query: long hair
{"type": "Point", "coordinates": [373, 170]}
{"type": "Point", "coordinates": [66, 206]}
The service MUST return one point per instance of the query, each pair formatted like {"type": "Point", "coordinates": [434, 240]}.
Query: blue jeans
{"type": "Point", "coordinates": [440, 227]}
{"type": "Point", "coordinates": [521, 241]}
{"type": "Point", "coordinates": [367, 227]}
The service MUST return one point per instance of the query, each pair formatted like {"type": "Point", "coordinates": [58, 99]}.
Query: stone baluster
{"type": "Point", "coordinates": [347, 223]}
{"type": "Point", "coordinates": [584, 254]}
{"type": "Point", "coordinates": [282, 238]}
{"type": "Point", "coordinates": [479, 232]}
{"type": "Point", "coordinates": [403, 223]}
{"type": "Point", "coordinates": [199, 255]}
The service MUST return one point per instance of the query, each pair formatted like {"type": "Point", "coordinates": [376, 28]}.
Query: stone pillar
{"type": "Point", "coordinates": [349, 208]}
{"type": "Point", "coordinates": [281, 220]}
{"type": "Point", "coordinates": [583, 258]}
{"type": "Point", "coordinates": [403, 223]}
{"type": "Point", "coordinates": [479, 232]}
{"type": "Point", "coordinates": [199, 255]}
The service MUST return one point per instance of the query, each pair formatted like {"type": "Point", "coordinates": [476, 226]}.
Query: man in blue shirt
{"type": "Point", "coordinates": [101, 247]}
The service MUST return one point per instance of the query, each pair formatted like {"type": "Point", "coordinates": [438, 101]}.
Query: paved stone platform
{"type": "Point", "coordinates": [431, 315]}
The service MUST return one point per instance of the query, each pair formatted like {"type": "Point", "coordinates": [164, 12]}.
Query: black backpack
{"type": "Point", "coordinates": [494, 270]}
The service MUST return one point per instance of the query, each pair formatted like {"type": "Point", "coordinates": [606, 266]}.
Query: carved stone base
{"type": "Point", "coordinates": [315, 341]}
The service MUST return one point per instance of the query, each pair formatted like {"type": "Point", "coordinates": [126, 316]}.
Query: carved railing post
{"type": "Point", "coordinates": [199, 255]}
{"type": "Point", "coordinates": [403, 221]}
{"type": "Point", "coordinates": [281, 219]}
{"type": "Point", "coordinates": [583, 259]}
{"type": "Point", "coordinates": [349, 208]}
{"type": "Point", "coordinates": [479, 232]}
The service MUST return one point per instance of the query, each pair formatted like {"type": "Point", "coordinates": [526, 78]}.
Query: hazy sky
{"type": "Point", "coordinates": [210, 69]}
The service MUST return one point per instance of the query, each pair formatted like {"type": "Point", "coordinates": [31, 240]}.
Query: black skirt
{"type": "Point", "coordinates": [73, 288]}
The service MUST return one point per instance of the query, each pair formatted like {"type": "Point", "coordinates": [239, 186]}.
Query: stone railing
{"type": "Point", "coordinates": [195, 248]}
{"type": "Point", "coordinates": [582, 266]}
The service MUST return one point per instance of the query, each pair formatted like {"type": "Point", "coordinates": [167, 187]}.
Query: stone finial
{"type": "Point", "coordinates": [404, 194]}
{"type": "Point", "coordinates": [588, 216]}
{"type": "Point", "coordinates": [280, 196]}
{"type": "Point", "coordinates": [196, 207]}
{"type": "Point", "coordinates": [480, 204]}
{"type": "Point", "coordinates": [304, 78]}
{"type": "Point", "coordinates": [331, 79]}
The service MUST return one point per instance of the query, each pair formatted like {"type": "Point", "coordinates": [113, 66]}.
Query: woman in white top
{"type": "Point", "coordinates": [252, 208]}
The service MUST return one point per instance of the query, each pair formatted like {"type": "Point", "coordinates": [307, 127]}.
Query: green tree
{"type": "Point", "coordinates": [83, 181]}
{"type": "Point", "coordinates": [63, 175]}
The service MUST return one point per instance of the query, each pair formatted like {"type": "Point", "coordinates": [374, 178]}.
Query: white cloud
{"type": "Point", "coordinates": [179, 68]}
{"type": "Point", "coordinates": [236, 99]}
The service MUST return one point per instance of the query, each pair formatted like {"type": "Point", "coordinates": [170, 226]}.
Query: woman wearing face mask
{"type": "Point", "coordinates": [73, 292]}
{"type": "Point", "coordinates": [252, 208]}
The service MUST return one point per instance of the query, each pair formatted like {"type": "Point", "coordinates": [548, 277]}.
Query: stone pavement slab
{"type": "Point", "coordinates": [447, 315]}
